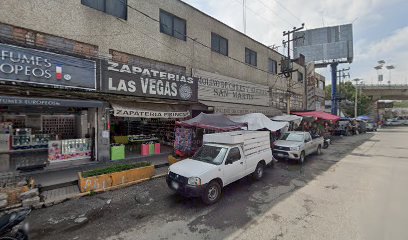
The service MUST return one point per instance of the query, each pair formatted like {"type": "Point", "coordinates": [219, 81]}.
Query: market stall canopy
{"type": "Point", "coordinates": [149, 110]}
{"type": "Point", "coordinates": [287, 118]}
{"type": "Point", "coordinates": [319, 115]}
{"type": "Point", "coordinates": [216, 121]}
{"type": "Point", "coordinates": [257, 121]}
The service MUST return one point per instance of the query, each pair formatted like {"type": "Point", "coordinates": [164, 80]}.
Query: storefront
{"type": "Point", "coordinates": [230, 96]}
{"type": "Point", "coordinates": [142, 121]}
{"type": "Point", "coordinates": [44, 121]}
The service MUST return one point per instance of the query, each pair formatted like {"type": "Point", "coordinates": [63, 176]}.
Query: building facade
{"type": "Point", "coordinates": [183, 60]}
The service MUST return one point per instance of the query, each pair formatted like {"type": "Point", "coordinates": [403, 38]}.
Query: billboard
{"type": "Point", "coordinates": [31, 66]}
{"type": "Point", "coordinates": [325, 45]}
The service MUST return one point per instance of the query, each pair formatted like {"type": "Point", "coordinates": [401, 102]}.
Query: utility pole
{"type": "Point", "coordinates": [341, 75]}
{"type": "Point", "coordinates": [244, 14]}
{"type": "Point", "coordinates": [286, 64]}
{"type": "Point", "coordinates": [356, 97]}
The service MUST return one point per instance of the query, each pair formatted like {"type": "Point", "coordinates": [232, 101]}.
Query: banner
{"type": "Point", "coordinates": [215, 87]}
{"type": "Point", "coordinates": [146, 82]}
{"type": "Point", "coordinates": [142, 113]}
{"type": "Point", "coordinates": [25, 65]}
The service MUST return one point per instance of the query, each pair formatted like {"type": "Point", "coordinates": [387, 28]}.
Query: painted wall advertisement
{"type": "Point", "coordinates": [214, 87]}
{"type": "Point", "coordinates": [146, 82]}
{"type": "Point", "coordinates": [311, 86]}
{"type": "Point", "coordinates": [25, 65]}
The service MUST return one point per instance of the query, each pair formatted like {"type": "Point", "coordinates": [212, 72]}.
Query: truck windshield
{"type": "Point", "coordinates": [210, 154]}
{"type": "Point", "coordinates": [295, 137]}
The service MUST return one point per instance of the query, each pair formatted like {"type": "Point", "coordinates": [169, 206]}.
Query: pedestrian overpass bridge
{"type": "Point", "coordinates": [388, 92]}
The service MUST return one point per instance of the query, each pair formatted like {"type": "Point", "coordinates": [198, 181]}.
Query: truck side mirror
{"type": "Point", "coordinates": [228, 161]}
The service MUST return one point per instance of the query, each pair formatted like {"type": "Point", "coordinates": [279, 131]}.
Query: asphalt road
{"type": "Point", "coordinates": [355, 190]}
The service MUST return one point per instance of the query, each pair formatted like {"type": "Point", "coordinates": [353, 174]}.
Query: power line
{"type": "Point", "coordinates": [273, 11]}
{"type": "Point", "coordinates": [288, 10]}
{"type": "Point", "coordinates": [53, 43]}
{"type": "Point", "coordinates": [258, 15]}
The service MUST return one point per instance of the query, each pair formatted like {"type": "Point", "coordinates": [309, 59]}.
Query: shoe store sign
{"type": "Point", "coordinates": [146, 82]}
{"type": "Point", "coordinates": [218, 88]}
{"type": "Point", "coordinates": [30, 66]}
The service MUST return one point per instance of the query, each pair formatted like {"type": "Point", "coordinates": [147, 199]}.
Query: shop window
{"type": "Point", "coordinates": [219, 44]}
{"type": "Point", "coordinates": [250, 57]}
{"type": "Point", "coordinates": [111, 7]}
{"type": "Point", "coordinates": [172, 25]}
{"type": "Point", "coordinates": [272, 66]}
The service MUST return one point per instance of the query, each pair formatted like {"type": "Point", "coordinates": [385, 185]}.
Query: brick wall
{"type": "Point", "coordinates": [24, 37]}
{"type": "Point", "coordinates": [146, 62]}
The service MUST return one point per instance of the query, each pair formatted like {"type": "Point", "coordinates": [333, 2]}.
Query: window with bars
{"type": "Point", "coordinates": [250, 57]}
{"type": "Point", "coordinates": [172, 25]}
{"type": "Point", "coordinates": [219, 44]}
{"type": "Point", "coordinates": [112, 7]}
{"type": "Point", "coordinates": [272, 66]}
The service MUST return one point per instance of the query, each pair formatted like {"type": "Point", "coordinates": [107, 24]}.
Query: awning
{"type": "Point", "coordinates": [258, 121]}
{"type": "Point", "coordinates": [216, 121]}
{"type": "Point", "coordinates": [287, 118]}
{"type": "Point", "coordinates": [149, 110]}
{"type": "Point", "coordinates": [320, 115]}
{"type": "Point", "coordinates": [49, 102]}
{"type": "Point", "coordinates": [241, 109]}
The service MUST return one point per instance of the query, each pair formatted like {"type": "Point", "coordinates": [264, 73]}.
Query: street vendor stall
{"type": "Point", "coordinates": [317, 123]}
{"type": "Point", "coordinates": [258, 121]}
{"type": "Point", "coordinates": [189, 134]}
{"type": "Point", "coordinates": [293, 120]}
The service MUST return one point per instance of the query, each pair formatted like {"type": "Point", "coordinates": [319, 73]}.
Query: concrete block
{"type": "Point", "coordinates": [38, 205]}
{"type": "Point", "coordinates": [3, 196]}
{"type": "Point", "coordinates": [3, 203]}
{"type": "Point", "coordinates": [29, 194]}
{"type": "Point", "coordinates": [31, 201]}
{"type": "Point", "coordinates": [22, 183]}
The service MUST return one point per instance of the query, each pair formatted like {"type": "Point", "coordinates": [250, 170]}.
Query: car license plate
{"type": "Point", "coordinates": [281, 155]}
{"type": "Point", "coordinates": [175, 185]}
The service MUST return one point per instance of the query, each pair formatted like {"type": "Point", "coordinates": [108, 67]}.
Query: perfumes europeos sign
{"type": "Point", "coordinates": [30, 66]}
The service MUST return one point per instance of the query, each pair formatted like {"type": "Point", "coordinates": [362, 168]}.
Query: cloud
{"type": "Point", "coordinates": [377, 26]}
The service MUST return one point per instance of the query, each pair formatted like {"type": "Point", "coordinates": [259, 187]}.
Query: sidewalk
{"type": "Point", "coordinates": [55, 178]}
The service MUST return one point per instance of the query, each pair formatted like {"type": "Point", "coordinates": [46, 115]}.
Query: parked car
{"type": "Point", "coordinates": [371, 127]}
{"type": "Point", "coordinates": [224, 158]}
{"type": "Point", "coordinates": [345, 127]}
{"type": "Point", "coordinates": [393, 122]}
{"type": "Point", "coordinates": [361, 126]}
{"type": "Point", "coordinates": [297, 145]}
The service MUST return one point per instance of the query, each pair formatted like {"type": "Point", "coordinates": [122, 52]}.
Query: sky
{"type": "Point", "coordinates": [380, 28]}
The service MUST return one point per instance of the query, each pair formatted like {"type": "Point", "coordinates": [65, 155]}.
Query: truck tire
{"type": "Point", "coordinates": [212, 193]}
{"type": "Point", "coordinates": [302, 157]}
{"type": "Point", "coordinates": [259, 171]}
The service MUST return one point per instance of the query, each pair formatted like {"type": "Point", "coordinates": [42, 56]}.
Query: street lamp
{"type": "Point", "coordinates": [355, 97]}
{"type": "Point", "coordinates": [378, 68]}
{"type": "Point", "coordinates": [390, 67]}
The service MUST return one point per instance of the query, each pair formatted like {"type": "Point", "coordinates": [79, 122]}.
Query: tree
{"type": "Point", "coordinates": [347, 92]}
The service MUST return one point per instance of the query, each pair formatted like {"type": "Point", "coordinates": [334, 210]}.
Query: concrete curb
{"type": "Point", "coordinates": [76, 196]}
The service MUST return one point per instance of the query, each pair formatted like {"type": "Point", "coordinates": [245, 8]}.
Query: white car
{"type": "Point", "coordinates": [224, 158]}
{"type": "Point", "coordinates": [297, 145]}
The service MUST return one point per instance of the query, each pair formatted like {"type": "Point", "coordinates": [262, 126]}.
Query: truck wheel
{"type": "Point", "coordinates": [259, 171]}
{"type": "Point", "coordinates": [302, 158]}
{"type": "Point", "coordinates": [319, 150]}
{"type": "Point", "coordinates": [212, 193]}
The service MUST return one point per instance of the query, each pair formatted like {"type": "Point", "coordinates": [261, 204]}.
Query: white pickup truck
{"type": "Point", "coordinates": [223, 159]}
{"type": "Point", "coordinates": [297, 145]}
